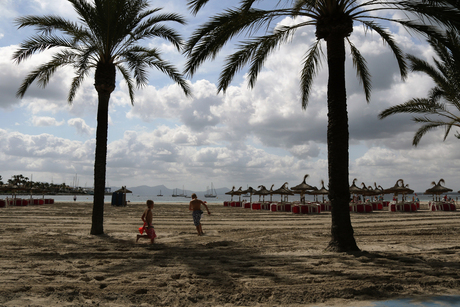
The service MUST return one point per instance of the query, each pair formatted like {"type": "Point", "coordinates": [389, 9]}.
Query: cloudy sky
{"type": "Point", "coordinates": [245, 137]}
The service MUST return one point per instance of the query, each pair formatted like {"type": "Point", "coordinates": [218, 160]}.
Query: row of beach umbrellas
{"type": "Point", "coordinates": [400, 188]}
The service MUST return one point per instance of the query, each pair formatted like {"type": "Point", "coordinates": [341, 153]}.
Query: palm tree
{"type": "Point", "coordinates": [333, 20]}
{"type": "Point", "coordinates": [441, 108]}
{"type": "Point", "coordinates": [106, 38]}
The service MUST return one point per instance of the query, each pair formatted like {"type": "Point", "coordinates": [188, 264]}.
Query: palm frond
{"type": "Point", "coordinates": [388, 38]}
{"type": "Point", "coordinates": [415, 105]}
{"type": "Point", "coordinates": [36, 44]}
{"type": "Point", "coordinates": [173, 74]}
{"type": "Point", "coordinates": [129, 81]}
{"type": "Point", "coordinates": [210, 38]}
{"type": "Point", "coordinates": [361, 70]}
{"type": "Point", "coordinates": [196, 5]}
{"type": "Point", "coordinates": [44, 72]}
{"type": "Point", "coordinates": [311, 65]}
{"type": "Point", "coordinates": [256, 50]}
{"type": "Point", "coordinates": [423, 130]}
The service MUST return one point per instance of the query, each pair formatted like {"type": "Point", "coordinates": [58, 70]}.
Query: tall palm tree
{"type": "Point", "coordinates": [333, 20]}
{"type": "Point", "coordinates": [441, 108]}
{"type": "Point", "coordinates": [106, 38]}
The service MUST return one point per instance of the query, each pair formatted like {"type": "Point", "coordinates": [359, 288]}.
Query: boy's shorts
{"type": "Point", "coordinates": [151, 233]}
{"type": "Point", "coordinates": [197, 217]}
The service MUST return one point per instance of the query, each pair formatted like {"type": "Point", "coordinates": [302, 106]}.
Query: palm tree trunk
{"type": "Point", "coordinates": [342, 239]}
{"type": "Point", "coordinates": [105, 84]}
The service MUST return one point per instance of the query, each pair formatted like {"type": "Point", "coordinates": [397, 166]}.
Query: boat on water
{"type": "Point", "coordinates": [160, 194]}
{"type": "Point", "coordinates": [176, 193]}
{"type": "Point", "coordinates": [210, 193]}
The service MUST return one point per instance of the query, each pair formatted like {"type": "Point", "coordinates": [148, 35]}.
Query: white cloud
{"type": "Point", "coordinates": [81, 126]}
{"type": "Point", "coordinates": [43, 121]}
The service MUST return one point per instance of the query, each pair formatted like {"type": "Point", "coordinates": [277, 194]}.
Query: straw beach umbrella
{"type": "Point", "coordinates": [271, 192]}
{"type": "Point", "coordinates": [262, 192]}
{"type": "Point", "coordinates": [323, 191]}
{"type": "Point", "coordinates": [354, 189]}
{"type": "Point", "coordinates": [283, 190]}
{"type": "Point", "coordinates": [231, 193]}
{"type": "Point", "coordinates": [239, 192]}
{"type": "Point", "coordinates": [438, 189]}
{"type": "Point", "coordinates": [302, 188]}
{"type": "Point", "coordinates": [249, 190]}
{"type": "Point", "coordinates": [399, 189]}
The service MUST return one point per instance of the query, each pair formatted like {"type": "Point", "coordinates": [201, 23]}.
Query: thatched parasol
{"type": "Point", "coordinates": [302, 188]}
{"type": "Point", "coordinates": [123, 190]}
{"type": "Point", "coordinates": [262, 191]}
{"type": "Point", "coordinates": [438, 189]}
{"type": "Point", "coordinates": [369, 191]}
{"type": "Point", "coordinates": [283, 190]}
{"type": "Point", "coordinates": [239, 192]}
{"type": "Point", "coordinates": [354, 189]}
{"type": "Point", "coordinates": [231, 193]}
{"type": "Point", "coordinates": [249, 190]}
{"type": "Point", "coordinates": [321, 191]}
{"type": "Point", "coordinates": [399, 189]}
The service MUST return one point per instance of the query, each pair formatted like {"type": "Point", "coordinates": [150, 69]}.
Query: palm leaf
{"type": "Point", "coordinates": [311, 65]}
{"type": "Point", "coordinates": [361, 70]}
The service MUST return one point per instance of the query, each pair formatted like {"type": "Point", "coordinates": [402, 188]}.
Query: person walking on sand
{"type": "Point", "coordinates": [195, 205]}
{"type": "Point", "coordinates": [147, 218]}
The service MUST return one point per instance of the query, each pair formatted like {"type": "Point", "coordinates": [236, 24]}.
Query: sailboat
{"type": "Point", "coordinates": [176, 194]}
{"type": "Point", "coordinates": [210, 193]}
{"type": "Point", "coordinates": [160, 194]}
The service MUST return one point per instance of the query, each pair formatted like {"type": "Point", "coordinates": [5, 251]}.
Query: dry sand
{"type": "Point", "coordinates": [245, 258]}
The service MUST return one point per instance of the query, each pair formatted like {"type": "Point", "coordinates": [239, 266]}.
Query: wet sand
{"type": "Point", "coordinates": [245, 258]}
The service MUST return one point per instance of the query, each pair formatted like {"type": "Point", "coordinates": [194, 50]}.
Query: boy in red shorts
{"type": "Point", "coordinates": [147, 218]}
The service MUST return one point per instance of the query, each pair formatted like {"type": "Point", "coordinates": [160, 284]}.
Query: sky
{"type": "Point", "coordinates": [245, 137]}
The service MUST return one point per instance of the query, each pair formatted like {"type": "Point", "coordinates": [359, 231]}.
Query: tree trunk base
{"type": "Point", "coordinates": [97, 231]}
{"type": "Point", "coordinates": [336, 247]}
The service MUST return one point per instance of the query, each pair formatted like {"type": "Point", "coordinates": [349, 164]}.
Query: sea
{"type": "Point", "coordinates": [135, 198]}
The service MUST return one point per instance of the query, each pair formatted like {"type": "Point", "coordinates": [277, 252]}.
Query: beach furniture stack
{"type": "Point", "coordinates": [21, 202]}
{"type": "Point", "coordinates": [442, 206]}
{"type": "Point", "coordinates": [18, 202]}
{"type": "Point", "coordinates": [361, 207]}
{"type": "Point", "coordinates": [37, 201]}
{"type": "Point", "coordinates": [404, 207]}
{"type": "Point", "coordinates": [326, 206]}
{"type": "Point", "coordinates": [256, 206]}
{"type": "Point", "coordinates": [377, 206]}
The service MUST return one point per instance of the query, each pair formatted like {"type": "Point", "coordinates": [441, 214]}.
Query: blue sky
{"type": "Point", "coordinates": [245, 137]}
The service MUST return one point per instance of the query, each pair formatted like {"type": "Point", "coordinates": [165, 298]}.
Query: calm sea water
{"type": "Point", "coordinates": [134, 198]}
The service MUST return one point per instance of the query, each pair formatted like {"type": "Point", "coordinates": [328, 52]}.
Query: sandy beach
{"type": "Point", "coordinates": [245, 258]}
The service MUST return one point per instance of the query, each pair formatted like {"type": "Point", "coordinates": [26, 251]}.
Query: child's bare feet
{"type": "Point", "coordinates": [138, 236]}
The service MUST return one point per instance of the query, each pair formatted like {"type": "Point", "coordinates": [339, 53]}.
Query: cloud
{"type": "Point", "coordinates": [45, 121]}
{"type": "Point", "coordinates": [81, 126]}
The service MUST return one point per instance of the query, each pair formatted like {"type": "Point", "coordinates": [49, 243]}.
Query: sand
{"type": "Point", "coordinates": [245, 258]}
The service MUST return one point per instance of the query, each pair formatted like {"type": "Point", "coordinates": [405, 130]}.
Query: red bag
{"type": "Point", "coordinates": [142, 229]}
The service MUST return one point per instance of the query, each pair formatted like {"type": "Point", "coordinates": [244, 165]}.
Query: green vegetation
{"type": "Point", "coordinates": [441, 108]}
{"type": "Point", "coordinates": [18, 184]}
